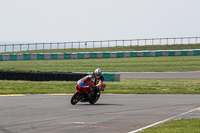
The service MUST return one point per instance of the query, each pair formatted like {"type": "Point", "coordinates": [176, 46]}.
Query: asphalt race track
{"type": "Point", "coordinates": [111, 114]}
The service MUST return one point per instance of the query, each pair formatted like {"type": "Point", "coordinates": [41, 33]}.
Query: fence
{"type": "Point", "coordinates": [97, 44]}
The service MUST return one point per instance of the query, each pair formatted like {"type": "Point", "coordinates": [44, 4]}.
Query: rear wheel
{"type": "Point", "coordinates": [75, 98]}
{"type": "Point", "coordinates": [95, 98]}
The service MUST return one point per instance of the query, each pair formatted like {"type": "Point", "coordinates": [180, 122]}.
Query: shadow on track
{"type": "Point", "coordinates": [101, 104]}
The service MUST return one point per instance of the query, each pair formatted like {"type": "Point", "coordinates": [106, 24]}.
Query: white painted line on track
{"type": "Point", "coordinates": [168, 119]}
{"type": "Point", "coordinates": [72, 122]}
{"type": "Point", "coordinates": [60, 94]}
{"type": "Point", "coordinates": [76, 109]}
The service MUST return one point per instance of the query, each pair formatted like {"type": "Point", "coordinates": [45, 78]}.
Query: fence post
{"type": "Point", "coordinates": [43, 46]}
{"type": "Point", "coordinates": [101, 44]}
{"type": "Point", "coordinates": [28, 47]}
{"type": "Point", "coordinates": [167, 41]}
{"type": "Point", "coordinates": [174, 40]}
{"type": "Point", "coordinates": [152, 41]}
{"type": "Point", "coordinates": [130, 42]}
{"type": "Point", "coordinates": [64, 45]}
{"type": "Point", "coordinates": [85, 44]}
{"type": "Point", "coordinates": [123, 42]}
{"type": "Point", "coordinates": [160, 41]}
{"type": "Point", "coordinates": [36, 46]}
{"type": "Point", "coordinates": [116, 43]}
{"type": "Point", "coordinates": [108, 44]}
{"type": "Point", "coordinates": [13, 48]}
{"type": "Point", "coordinates": [20, 47]}
{"type": "Point", "coordinates": [189, 40]}
{"type": "Point", "coordinates": [145, 41]}
{"type": "Point", "coordinates": [138, 42]}
{"type": "Point", "coordinates": [196, 39]}
{"type": "Point", "coordinates": [5, 48]}
{"type": "Point", "coordinates": [181, 40]}
{"type": "Point", "coordinates": [72, 45]}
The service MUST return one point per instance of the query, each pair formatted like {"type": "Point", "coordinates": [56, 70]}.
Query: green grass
{"type": "Point", "coordinates": [118, 48]}
{"type": "Point", "coordinates": [134, 64]}
{"type": "Point", "coordinates": [176, 126]}
{"type": "Point", "coordinates": [125, 86]}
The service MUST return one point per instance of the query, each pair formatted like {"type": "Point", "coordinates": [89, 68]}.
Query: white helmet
{"type": "Point", "coordinates": [97, 73]}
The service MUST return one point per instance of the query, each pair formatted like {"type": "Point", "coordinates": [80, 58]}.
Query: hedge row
{"type": "Point", "coordinates": [41, 76]}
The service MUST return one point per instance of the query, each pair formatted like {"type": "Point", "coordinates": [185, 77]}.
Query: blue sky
{"type": "Point", "coordinates": [82, 20]}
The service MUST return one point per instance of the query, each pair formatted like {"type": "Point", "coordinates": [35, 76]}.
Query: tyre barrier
{"type": "Point", "coordinates": [41, 76]}
{"type": "Point", "coordinates": [86, 55]}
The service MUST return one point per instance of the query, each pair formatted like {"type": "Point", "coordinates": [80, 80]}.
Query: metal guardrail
{"type": "Point", "coordinates": [97, 44]}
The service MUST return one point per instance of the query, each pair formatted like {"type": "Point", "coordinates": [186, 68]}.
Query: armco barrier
{"type": "Point", "coordinates": [93, 55]}
{"type": "Point", "coordinates": [41, 76]}
{"type": "Point", "coordinates": [80, 56]}
{"type": "Point", "coordinates": [133, 54]}
{"type": "Point", "coordinates": [120, 54]}
{"type": "Point", "coordinates": [54, 56]}
{"type": "Point", "coordinates": [190, 52]}
{"type": "Point", "coordinates": [67, 55]}
{"type": "Point", "coordinates": [40, 56]}
{"type": "Point", "coordinates": [6, 57]}
{"type": "Point", "coordinates": [100, 55]}
{"type": "Point", "coordinates": [86, 55]}
{"type": "Point", "coordinates": [60, 56]}
{"type": "Point", "coordinates": [13, 57]}
{"type": "Point", "coordinates": [47, 56]}
{"type": "Point", "coordinates": [127, 54]}
{"type": "Point", "coordinates": [27, 56]}
{"type": "Point", "coordinates": [113, 77]}
{"type": "Point", "coordinates": [184, 52]}
{"type": "Point", "coordinates": [1, 57]}
{"type": "Point", "coordinates": [20, 57]}
{"type": "Point", "coordinates": [34, 56]}
{"type": "Point", "coordinates": [106, 54]}
{"type": "Point", "coordinates": [197, 52]}
{"type": "Point", "coordinates": [74, 55]}
{"type": "Point", "coordinates": [113, 55]}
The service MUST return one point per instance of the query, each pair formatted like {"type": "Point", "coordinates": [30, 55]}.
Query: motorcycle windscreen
{"type": "Point", "coordinates": [86, 81]}
{"type": "Point", "coordinates": [83, 85]}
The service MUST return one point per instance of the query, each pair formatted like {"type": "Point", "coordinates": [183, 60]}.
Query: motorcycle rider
{"type": "Point", "coordinates": [98, 80]}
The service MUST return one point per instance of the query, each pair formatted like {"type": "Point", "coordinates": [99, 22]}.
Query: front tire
{"type": "Point", "coordinates": [95, 98]}
{"type": "Point", "coordinates": [75, 98]}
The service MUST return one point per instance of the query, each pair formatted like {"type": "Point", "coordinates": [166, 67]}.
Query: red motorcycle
{"type": "Point", "coordinates": [85, 92]}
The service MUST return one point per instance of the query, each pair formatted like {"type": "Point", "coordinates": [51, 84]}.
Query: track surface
{"type": "Point", "coordinates": [111, 114]}
{"type": "Point", "coordinates": [160, 75]}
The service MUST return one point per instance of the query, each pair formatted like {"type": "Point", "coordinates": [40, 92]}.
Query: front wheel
{"type": "Point", "coordinates": [75, 98]}
{"type": "Point", "coordinates": [95, 98]}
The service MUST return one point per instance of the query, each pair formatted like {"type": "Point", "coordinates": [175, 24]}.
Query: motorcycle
{"type": "Point", "coordinates": [86, 92]}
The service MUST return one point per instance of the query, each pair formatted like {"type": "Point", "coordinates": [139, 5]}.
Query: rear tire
{"type": "Point", "coordinates": [75, 98]}
{"type": "Point", "coordinates": [94, 99]}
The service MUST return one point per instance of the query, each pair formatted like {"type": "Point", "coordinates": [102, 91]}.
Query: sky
{"type": "Point", "coordinates": [86, 20]}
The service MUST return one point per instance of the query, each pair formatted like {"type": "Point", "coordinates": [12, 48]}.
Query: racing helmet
{"type": "Point", "coordinates": [97, 73]}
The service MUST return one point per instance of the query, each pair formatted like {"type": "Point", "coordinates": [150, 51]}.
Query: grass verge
{"type": "Point", "coordinates": [134, 64]}
{"type": "Point", "coordinates": [176, 126]}
{"type": "Point", "coordinates": [125, 86]}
